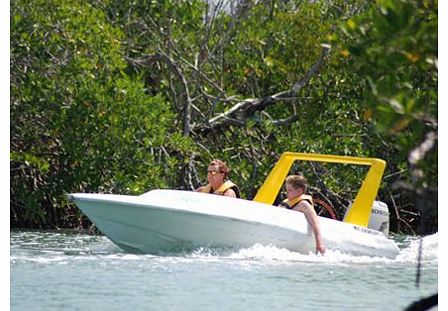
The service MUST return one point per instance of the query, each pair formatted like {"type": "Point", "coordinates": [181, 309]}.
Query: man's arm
{"type": "Point", "coordinates": [230, 193]}
{"type": "Point", "coordinates": [205, 188]}
{"type": "Point", "coordinates": [312, 219]}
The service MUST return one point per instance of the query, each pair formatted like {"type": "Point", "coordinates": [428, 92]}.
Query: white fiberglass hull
{"type": "Point", "coordinates": [171, 220]}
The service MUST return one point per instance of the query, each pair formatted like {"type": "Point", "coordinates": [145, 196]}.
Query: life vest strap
{"type": "Point", "coordinates": [226, 186]}
{"type": "Point", "coordinates": [222, 189]}
{"type": "Point", "coordinates": [291, 204]}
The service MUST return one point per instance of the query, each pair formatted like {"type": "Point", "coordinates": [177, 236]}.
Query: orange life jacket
{"type": "Point", "coordinates": [221, 190]}
{"type": "Point", "coordinates": [290, 204]}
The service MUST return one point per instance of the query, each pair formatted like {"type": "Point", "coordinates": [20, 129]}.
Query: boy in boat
{"type": "Point", "coordinates": [218, 182]}
{"type": "Point", "coordinates": [297, 200]}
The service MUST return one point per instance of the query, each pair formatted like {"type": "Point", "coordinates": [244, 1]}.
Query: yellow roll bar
{"type": "Point", "coordinates": [359, 213]}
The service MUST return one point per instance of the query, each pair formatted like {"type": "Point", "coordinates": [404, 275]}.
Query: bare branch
{"type": "Point", "coordinates": [247, 108]}
{"type": "Point", "coordinates": [285, 121]}
{"type": "Point", "coordinates": [187, 104]}
{"type": "Point", "coordinates": [161, 55]}
{"type": "Point", "coordinates": [420, 151]}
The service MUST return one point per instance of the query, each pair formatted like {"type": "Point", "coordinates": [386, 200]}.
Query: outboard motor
{"type": "Point", "coordinates": [379, 217]}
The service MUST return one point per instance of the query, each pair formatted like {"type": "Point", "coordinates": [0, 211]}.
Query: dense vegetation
{"type": "Point", "coordinates": [125, 96]}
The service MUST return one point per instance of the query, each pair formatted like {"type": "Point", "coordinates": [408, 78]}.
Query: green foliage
{"type": "Point", "coordinates": [271, 51]}
{"type": "Point", "coordinates": [392, 49]}
{"type": "Point", "coordinates": [98, 102]}
{"type": "Point", "coordinates": [78, 123]}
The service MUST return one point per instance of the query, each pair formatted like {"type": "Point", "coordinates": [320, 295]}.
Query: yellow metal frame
{"type": "Point", "coordinates": [359, 213]}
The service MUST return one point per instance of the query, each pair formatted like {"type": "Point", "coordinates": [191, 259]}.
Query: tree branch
{"type": "Point", "coordinates": [186, 107]}
{"type": "Point", "coordinates": [247, 108]}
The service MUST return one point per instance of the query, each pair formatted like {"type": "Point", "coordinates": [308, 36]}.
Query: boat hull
{"type": "Point", "coordinates": [166, 221]}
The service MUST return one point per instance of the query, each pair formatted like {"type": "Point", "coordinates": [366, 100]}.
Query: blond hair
{"type": "Point", "coordinates": [297, 182]}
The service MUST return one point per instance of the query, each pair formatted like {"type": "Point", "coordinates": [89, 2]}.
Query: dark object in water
{"type": "Point", "coordinates": [424, 303]}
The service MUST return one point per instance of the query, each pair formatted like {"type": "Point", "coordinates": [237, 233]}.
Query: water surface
{"type": "Point", "coordinates": [53, 270]}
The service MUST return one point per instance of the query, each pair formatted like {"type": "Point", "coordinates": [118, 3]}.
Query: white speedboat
{"type": "Point", "coordinates": [166, 221]}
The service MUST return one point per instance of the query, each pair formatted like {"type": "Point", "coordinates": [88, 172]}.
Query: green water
{"type": "Point", "coordinates": [53, 270]}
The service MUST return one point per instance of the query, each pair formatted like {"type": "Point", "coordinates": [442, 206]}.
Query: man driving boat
{"type": "Point", "coordinates": [218, 182]}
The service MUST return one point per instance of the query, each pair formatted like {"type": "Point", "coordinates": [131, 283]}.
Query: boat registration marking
{"type": "Point", "coordinates": [188, 199]}
{"type": "Point", "coordinates": [366, 230]}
